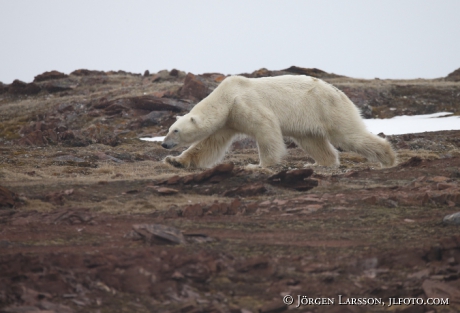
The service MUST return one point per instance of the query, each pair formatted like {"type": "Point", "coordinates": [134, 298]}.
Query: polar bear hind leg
{"type": "Point", "coordinates": [320, 149]}
{"type": "Point", "coordinates": [205, 153]}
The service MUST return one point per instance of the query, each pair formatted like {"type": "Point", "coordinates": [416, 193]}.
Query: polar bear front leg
{"type": "Point", "coordinates": [271, 147]}
{"type": "Point", "coordinates": [205, 153]}
{"type": "Point", "coordinates": [175, 161]}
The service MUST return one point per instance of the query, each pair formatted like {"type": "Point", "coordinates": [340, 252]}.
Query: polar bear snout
{"type": "Point", "coordinates": [167, 145]}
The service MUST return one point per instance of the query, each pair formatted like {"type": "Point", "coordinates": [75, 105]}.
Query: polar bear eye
{"type": "Point", "coordinates": [176, 130]}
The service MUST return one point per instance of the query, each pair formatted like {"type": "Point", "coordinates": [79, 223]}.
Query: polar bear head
{"type": "Point", "coordinates": [185, 131]}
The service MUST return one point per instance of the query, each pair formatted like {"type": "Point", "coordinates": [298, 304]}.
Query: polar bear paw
{"type": "Point", "coordinates": [173, 161]}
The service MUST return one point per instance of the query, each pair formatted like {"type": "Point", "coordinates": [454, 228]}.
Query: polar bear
{"type": "Point", "coordinates": [315, 114]}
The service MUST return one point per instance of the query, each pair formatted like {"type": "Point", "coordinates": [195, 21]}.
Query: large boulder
{"type": "Point", "coordinates": [18, 87]}
{"type": "Point", "coordinates": [49, 76]}
{"type": "Point", "coordinates": [194, 88]}
{"type": "Point", "coordinates": [454, 76]}
{"type": "Point", "coordinates": [314, 72]}
{"type": "Point", "coordinates": [84, 72]}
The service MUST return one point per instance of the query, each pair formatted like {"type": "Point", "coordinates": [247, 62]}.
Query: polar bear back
{"type": "Point", "coordinates": [301, 104]}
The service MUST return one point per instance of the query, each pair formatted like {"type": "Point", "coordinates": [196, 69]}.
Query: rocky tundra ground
{"type": "Point", "coordinates": [91, 220]}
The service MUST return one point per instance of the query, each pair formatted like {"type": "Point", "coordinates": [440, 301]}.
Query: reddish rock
{"type": "Point", "coordinates": [34, 138]}
{"type": "Point", "coordinates": [370, 200]}
{"type": "Point", "coordinates": [49, 76]}
{"type": "Point", "coordinates": [194, 88]}
{"type": "Point", "coordinates": [280, 202]}
{"type": "Point", "coordinates": [295, 179]}
{"type": "Point", "coordinates": [8, 199]}
{"type": "Point", "coordinates": [263, 72]}
{"type": "Point", "coordinates": [246, 191]}
{"type": "Point", "coordinates": [234, 207]}
{"type": "Point", "coordinates": [443, 186]}
{"type": "Point", "coordinates": [188, 179]}
{"type": "Point", "coordinates": [57, 198]}
{"type": "Point", "coordinates": [223, 170]}
{"type": "Point", "coordinates": [219, 78]}
{"type": "Point", "coordinates": [193, 210]}
{"type": "Point", "coordinates": [218, 209]}
{"type": "Point", "coordinates": [176, 179]}
{"type": "Point", "coordinates": [438, 179]}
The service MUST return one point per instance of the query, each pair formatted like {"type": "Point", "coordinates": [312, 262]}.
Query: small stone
{"type": "Point", "coordinates": [7, 198]}
{"type": "Point", "coordinates": [442, 186]}
{"type": "Point", "coordinates": [159, 234]}
{"type": "Point", "coordinates": [234, 207]}
{"type": "Point", "coordinates": [177, 275]}
{"type": "Point", "coordinates": [173, 180]}
{"type": "Point", "coordinates": [167, 191]}
{"type": "Point", "coordinates": [192, 210]}
{"type": "Point", "coordinates": [351, 174]}
{"type": "Point", "coordinates": [172, 212]}
{"type": "Point", "coordinates": [370, 200]}
{"type": "Point", "coordinates": [438, 179]}
{"type": "Point", "coordinates": [412, 162]}
{"type": "Point", "coordinates": [218, 209]}
{"type": "Point", "coordinates": [452, 219]}
{"type": "Point", "coordinates": [280, 202]}
{"type": "Point", "coordinates": [265, 204]}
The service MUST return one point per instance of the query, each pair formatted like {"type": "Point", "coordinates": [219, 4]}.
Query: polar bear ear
{"type": "Point", "coordinates": [178, 117]}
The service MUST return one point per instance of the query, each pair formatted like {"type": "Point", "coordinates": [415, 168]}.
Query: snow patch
{"type": "Point", "coordinates": [405, 124]}
{"type": "Point", "coordinates": [161, 138]}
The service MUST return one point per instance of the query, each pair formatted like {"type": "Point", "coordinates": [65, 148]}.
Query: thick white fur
{"type": "Point", "coordinates": [314, 113]}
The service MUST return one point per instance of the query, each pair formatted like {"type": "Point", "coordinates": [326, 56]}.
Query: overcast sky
{"type": "Point", "coordinates": [357, 38]}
